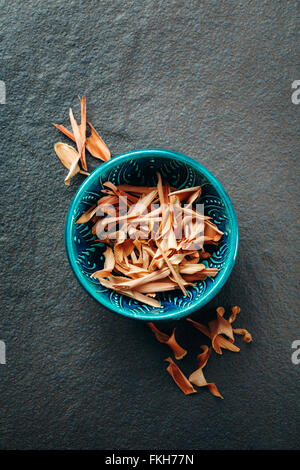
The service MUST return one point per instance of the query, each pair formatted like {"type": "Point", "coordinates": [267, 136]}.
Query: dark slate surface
{"type": "Point", "coordinates": [210, 79]}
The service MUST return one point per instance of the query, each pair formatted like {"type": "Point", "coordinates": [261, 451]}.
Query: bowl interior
{"type": "Point", "coordinates": [139, 168]}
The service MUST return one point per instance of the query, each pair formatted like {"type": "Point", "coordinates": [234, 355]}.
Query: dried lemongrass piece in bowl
{"type": "Point", "coordinates": [82, 130]}
{"type": "Point", "coordinates": [197, 377]}
{"type": "Point", "coordinates": [154, 276]}
{"type": "Point", "coordinates": [211, 231]}
{"type": "Point", "coordinates": [200, 276]}
{"type": "Point", "coordinates": [133, 294]}
{"type": "Point", "coordinates": [178, 351]}
{"type": "Point", "coordinates": [203, 328]}
{"type": "Point", "coordinates": [88, 215]}
{"type": "Point", "coordinates": [188, 195]}
{"type": "Point", "coordinates": [69, 158]}
{"type": "Point", "coordinates": [239, 331]}
{"type": "Point", "coordinates": [179, 378]}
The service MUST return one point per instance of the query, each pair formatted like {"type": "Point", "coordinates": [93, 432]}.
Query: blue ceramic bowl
{"type": "Point", "coordinates": [139, 168]}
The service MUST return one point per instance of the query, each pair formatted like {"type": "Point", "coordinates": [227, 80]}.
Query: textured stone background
{"type": "Point", "coordinates": [210, 79]}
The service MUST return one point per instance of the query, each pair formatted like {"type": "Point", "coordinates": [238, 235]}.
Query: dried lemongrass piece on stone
{"type": "Point", "coordinates": [203, 328]}
{"type": "Point", "coordinates": [69, 158]}
{"type": "Point", "coordinates": [242, 331]}
{"type": "Point", "coordinates": [179, 378]}
{"type": "Point", "coordinates": [220, 311]}
{"type": "Point", "coordinates": [221, 342]}
{"type": "Point", "coordinates": [96, 145]}
{"type": "Point", "coordinates": [183, 194]}
{"type": "Point", "coordinates": [197, 377]}
{"type": "Point", "coordinates": [220, 326]}
{"type": "Point", "coordinates": [215, 330]}
{"type": "Point", "coordinates": [65, 131]}
{"type": "Point", "coordinates": [154, 276]}
{"type": "Point", "coordinates": [191, 268]}
{"type": "Point", "coordinates": [178, 351]}
{"type": "Point", "coordinates": [67, 154]}
{"type": "Point", "coordinates": [173, 270]}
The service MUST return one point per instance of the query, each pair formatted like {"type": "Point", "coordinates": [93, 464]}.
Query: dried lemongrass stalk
{"type": "Point", "coordinates": [178, 351]}
{"type": "Point", "coordinates": [179, 378]}
{"type": "Point", "coordinates": [69, 158]}
{"type": "Point", "coordinates": [197, 377]}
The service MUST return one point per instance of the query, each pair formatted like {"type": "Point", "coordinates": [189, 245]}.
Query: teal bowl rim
{"type": "Point", "coordinates": [233, 241]}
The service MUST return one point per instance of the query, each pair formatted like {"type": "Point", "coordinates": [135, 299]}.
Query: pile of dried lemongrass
{"type": "Point", "coordinates": [72, 158]}
{"type": "Point", "coordinates": [221, 334]}
{"type": "Point", "coordinates": [153, 235]}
